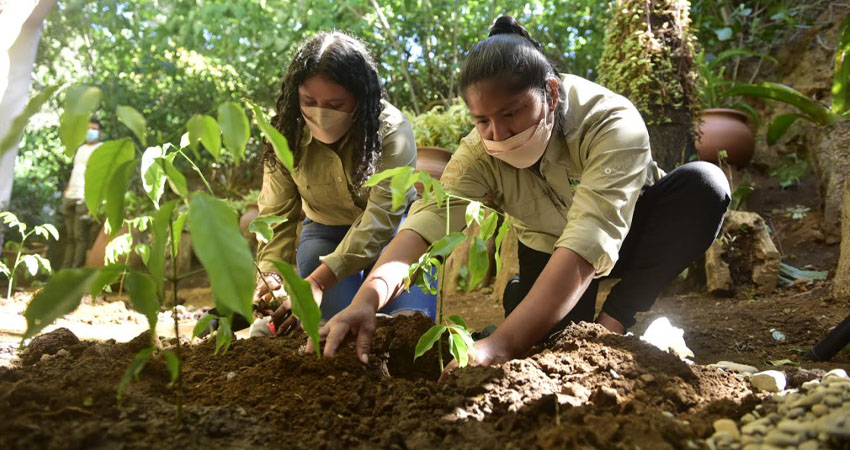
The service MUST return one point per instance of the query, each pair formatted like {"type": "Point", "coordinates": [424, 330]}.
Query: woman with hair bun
{"type": "Point", "coordinates": [569, 162]}
{"type": "Point", "coordinates": [341, 131]}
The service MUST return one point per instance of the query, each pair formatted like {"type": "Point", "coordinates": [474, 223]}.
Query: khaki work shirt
{"type": "Point", "coordinates": [580, 195]}
{"type": "Point", "coordinates": [322, 186]}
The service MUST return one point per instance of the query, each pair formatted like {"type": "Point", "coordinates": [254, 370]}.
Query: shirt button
{"type": "Point", "coordinates": [339, 179]}
{"type": "Point", "coordinates": [607, 171]}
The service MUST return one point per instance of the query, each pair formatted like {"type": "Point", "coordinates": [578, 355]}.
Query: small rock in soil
{"type": "Point", "coordinates": [769, 381]}
{"type": "Point", "coordinates": [48, 344]}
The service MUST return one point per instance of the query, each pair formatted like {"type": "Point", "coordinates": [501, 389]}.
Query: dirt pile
{"type": "Point", "coordinates": [585, 388]}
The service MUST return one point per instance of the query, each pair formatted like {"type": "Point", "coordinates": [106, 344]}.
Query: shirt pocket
{"type": "Point", "coordinates": [324, 186]}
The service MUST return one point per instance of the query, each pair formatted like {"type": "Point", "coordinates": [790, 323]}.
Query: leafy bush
{"type": "Point", "coordinates": [442, 127]}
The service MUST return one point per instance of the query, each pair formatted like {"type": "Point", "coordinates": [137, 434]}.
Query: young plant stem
{"type": "Point", "coordinates": [174, 282]}
{"type": "Point", "coordinates": [15, 266]}
{"type": "Point", "coordinates": [442, 286]}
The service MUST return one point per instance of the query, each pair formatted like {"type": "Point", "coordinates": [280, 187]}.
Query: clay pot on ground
{"type": "Point", "coordinates": [251, 213]}
{"type": "Point", "coordinates": [725, 129]}
{"type": "Point", "coordinates": [432, 160]}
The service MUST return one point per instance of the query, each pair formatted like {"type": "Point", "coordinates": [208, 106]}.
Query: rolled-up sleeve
{"type": "Point", "coordinates": [373, 229]}
{"type": "Point", "coordinates": [464, 176]}
{"type": "Point", "coordinates": [279, 197]}
{"type": "Point", "coordinates": [617, 156]}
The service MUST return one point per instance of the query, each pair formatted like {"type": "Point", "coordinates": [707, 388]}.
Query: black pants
{"type": "Point", "coordinates": [675, 221]}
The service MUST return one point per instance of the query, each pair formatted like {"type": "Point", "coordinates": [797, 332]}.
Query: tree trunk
{"type": "Point", "coordinates": [672, 143]}
{"type": "Point", "coordinates": [21, 21]}
{"type": "Point", "coordinates": [841, 283]}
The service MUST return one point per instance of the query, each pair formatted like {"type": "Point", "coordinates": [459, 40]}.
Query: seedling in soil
{"type": "Point", "coordinates": [422, 273]}
{"type": "Point", "coordinates": [216, 238]}
{"type": "Point", "coordinates": [34, 263]}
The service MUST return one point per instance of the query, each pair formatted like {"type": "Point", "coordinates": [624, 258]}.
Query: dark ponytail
{"type": "Point", "coordinates": [510, 55]}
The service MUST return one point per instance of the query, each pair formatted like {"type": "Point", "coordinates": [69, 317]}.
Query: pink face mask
{"type": "Point", "coordinates": [327, 125]}
{"type": "Point", "coordinates": [523, 149]}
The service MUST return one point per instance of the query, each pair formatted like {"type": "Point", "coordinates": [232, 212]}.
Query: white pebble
{"type": "Point", "coordinates": [727, 426]}
{"type": "Point", "coordinates": [231, 375]}
{"type": "Point", "coordinates": [769, 381]}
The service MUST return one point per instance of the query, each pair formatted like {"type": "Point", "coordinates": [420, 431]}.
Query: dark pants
{"type": "Point", "coordinates": [77, 225]}
{"type": "Point", "coordinates": [675, 221]}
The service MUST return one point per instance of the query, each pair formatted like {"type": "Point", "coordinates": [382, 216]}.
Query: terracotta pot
{"type": "Point", "coordinates": [251, 213]}
{"type": "Point", "coordinates": [432, 160]}
{"type": "Point", "coordinates": [725, 129]}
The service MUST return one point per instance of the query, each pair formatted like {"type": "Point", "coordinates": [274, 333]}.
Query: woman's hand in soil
{"type": "Point", "coordinates": [356, 321]}
{"type": "Point", "coordinates": [486, 352]}
{"type": "Point", "coordinates": [263, 298]}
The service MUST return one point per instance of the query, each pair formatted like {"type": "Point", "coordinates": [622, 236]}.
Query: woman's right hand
{"type": "Point", "coordinates": [355, 321]}
{"type": "Point", "coordinates": [263, 297]}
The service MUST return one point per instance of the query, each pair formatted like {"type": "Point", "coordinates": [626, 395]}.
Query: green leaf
{"type": "Point", "coordinates": [176, 179]}
{"type": "Point", "coordinates": [815, 110]}
{"type": "Point", "coordinates": [80, 103]}
{"type": "Point", "coordinates": [723, 34]}
{"type": "Point", "coordinates": [159, 240]}
{"type": "Point", "coordinates": [304, 306]}
{"type": "Point", "coordinates": [447, 244]}
{"type": "Point", "coordinates": [153, 175]}
{"type": "Point", "coordinates": [457, 320]}
{"type": "Point", "coordinates": [115, 195]}
{"type": "Point", "coordinates": [479, 263]}
{"type": "Point", "coordinates": [278, 142]}
{"type": "Point", "coordinates": [731, 53]}
{"type": "Point", "coordinates": [500, 238]}
{"type": "Point", "coordinates": [223, 336]}
{"type": "Point", "coordinates": [488, 226]}
{"type": "Point", "coordinates": [144, 251]}
{"type": "Point", "coordinates": [104, 161]}
{"type": "Point", "coordinates": [841, 72]}
{"type": "Point", "coordinates": [458, 349]}
{"type": "Point", "coordinates": [799, 274]}
{"type": "Point", "coordinates": [142, 291]}
{"type": "Point", "coordinates": [172, 362]}
{"type": "Point", "coordinates": [262, 227]}
{"type": "Point", "coordinates": [13, 136]}
{"type": "Point", "coordinates": [133, 370]}
{"type": "Point", "coordinates": [177, 233]}
{"type": "Point", "coordinates": [428, 340]}
{"type": "Point", "coordinates": [47, 230]}
{"type": "Point", "coordinates": [389, 173]}
{"type": "Point", "coordinates": [205, 129]}
{"type": "Point", "coordinates": [107, 275]}
{"type": "Point", "coordinates": [12, 220]}
{"type": "Point", "coordinates": [134, 120]}
{"type": "Point", "coordinates": [783, 362]}
{"type": "Point", "coordinates": [43, 262]}
{"type": "Point", "coordinates": [31, 263]}
{"type": "Point", "coordinates": [400, 185]}
{"type": "Point", "coordinates": [60, 296]}
{"type": "Point", "coordinates": [202, 324]}
{"type": "Point", "coordinates": [224, 253]}
{"type": "Point", "coordinates": [234, 126]}
{"type": "Point", "coordinates": [474, 213]}
{"type": "Point", "coordinates": [779, 126]}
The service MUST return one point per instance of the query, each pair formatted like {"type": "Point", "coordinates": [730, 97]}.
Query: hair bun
{"type": "Point", "coordinates": [509, 25]}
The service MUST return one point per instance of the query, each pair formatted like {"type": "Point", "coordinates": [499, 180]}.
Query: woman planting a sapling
{"type": "Point", "coordinates": [341, 131]}
{"type": "Point", "coordinates": [569, 161]}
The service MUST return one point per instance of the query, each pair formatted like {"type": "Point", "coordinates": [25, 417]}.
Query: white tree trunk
{"type": "Point", "coordinates": [20, 22]}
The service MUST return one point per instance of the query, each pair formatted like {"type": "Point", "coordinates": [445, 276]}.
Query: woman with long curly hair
{"type": "Point", "coordinates": [341, 131]}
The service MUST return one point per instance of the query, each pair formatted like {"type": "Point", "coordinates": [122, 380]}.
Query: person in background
{"type": "Point", "coordinates": [569, 161]}
{"type": "Point", "coordinates": [77, 218]}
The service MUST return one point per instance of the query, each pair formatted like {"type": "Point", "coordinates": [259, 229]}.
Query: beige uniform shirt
{"type": "Point", "coordinates": [321, 185]}
{"type": "Point", "coordinates": [582, 193]}
{"type": "Point", "coordinates": [76, 184]}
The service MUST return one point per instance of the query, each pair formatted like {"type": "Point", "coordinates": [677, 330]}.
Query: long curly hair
{"type": "Point", "coordinates": [345, 61]}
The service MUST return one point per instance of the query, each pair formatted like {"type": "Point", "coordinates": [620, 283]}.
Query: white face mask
{"type": "Point", "coordinates": [327, 125]}
{"type": "Point", "coordinates": [523, 149]}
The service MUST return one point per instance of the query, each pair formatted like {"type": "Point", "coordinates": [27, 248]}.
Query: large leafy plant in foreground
{"type": "Point", "coordinates": [212, 224]}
